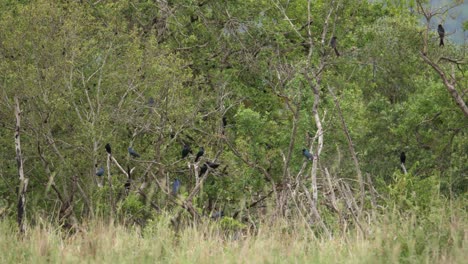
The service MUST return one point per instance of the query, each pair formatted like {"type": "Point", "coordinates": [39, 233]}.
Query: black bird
{"type": "Point", "coordinates": [133, 153]}
{"type": "Point", "coordinates": [108, 148]}
{"type": "Point", "coordinates": [100, 171]}
{"type": "Point", "coordinates": [403, 157]}
{"type": "Point", "coordinates": [217, 215]}
{"type": "Point", "coordinates": [224, 124]}
{"type": "Point", "coordinates": [127, 185]}
{"type": "Point", "coordinates": [129, 180]}
{"type": "Point", "coordinates": [441, 31]}
{"type": "Point", "coordinates": [185, 151]}
{"type": "Point", "coordinates": [205, 166]}
{"type": "Point", "coordinates": [203, 169]}
{"type": "Point", "coordinates": [151, 102]}
{"type": "Point", "coordinates": [333, 45]}
{"type": "Point", "coordinates": [212, 165]}
{"type": "Point", "coordinates": [200, 153]}
{"type": "Point", "coordinates": [307, 154]}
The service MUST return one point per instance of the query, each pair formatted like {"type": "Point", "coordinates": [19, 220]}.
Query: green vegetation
{"type": "Point", "coordinates": [254, 83]}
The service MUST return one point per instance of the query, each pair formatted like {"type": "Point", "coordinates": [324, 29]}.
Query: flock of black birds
{"type": "Point", "coordinates": [440, 31]}
{"type": "Point", "coordinates": [216, 215]}
{"type": "Point", "coordinates": [186, 150]}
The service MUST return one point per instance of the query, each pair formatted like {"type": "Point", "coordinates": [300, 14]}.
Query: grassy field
{"type": "Point", "coordinates": [396, 239]}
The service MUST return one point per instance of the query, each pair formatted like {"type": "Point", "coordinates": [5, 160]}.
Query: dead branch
{"type": "Point", "coordinates": [23, 184]}
{"type": "Point", "coordinates": [449, 85]}
{"type": "Point", "coordinates": [351, 148]}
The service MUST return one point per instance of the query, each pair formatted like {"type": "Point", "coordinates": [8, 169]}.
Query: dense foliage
{"type": "Point", "coordinates": [253, 82]}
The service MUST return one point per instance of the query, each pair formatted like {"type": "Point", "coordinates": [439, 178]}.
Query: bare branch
{"type": "Point", "coordinates": [351, 147]}
{"type": "Point", "coordinates": [449, 85]}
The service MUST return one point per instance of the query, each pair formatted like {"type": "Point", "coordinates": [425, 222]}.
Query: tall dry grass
{"type": "Point", "coordinates": [392, 239]}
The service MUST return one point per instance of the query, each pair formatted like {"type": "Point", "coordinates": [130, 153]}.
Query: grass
{"type": "Point", "coordinates": [438, 239]}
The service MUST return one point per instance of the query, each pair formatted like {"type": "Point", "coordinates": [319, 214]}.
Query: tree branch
{"type": "Point", "coordinates": [449, 85]}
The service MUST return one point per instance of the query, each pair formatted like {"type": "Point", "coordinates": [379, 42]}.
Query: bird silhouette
{"type": "Point", "coordinates": [403, 157]}
{"type": "Point", "coordinates": [212, 164]}
{"type": "Point", "coordinates": [203, 169]}
{"type": "Point", "coordinates": [127, 185]}
{"type": "Point", "coordinates": [333, 43]}
{"type": "Point", "coordinates": [217, 215]}
{"type": "Point", "coordinates": [441, 31]}
{"type": "Point", "coordinates": [175, 187]}
{"type": "Point", "coordinates": [205, 166]}
{"type": "Point", "coordinates": [108, 148]}
{"type": "Point", "coordinates": [185, 151]}
{"type": "Point", "coordinates": [307, 154]}
{"type": "Point", "coordinates": [224, 124]}
{"type": "Point", "coordinates": [100, 171]}
{"type": "Point", "coordinates": [151, 102]}
{"type": "Point", "coordinates": [133, 153]}
{"type": "Point", "coordinates": [200, 153]}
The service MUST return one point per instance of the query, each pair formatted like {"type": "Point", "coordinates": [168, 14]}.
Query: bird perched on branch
{"type": "Point", "coordinates": [205, 166]}
{"type": "Point", "coordinates": [212, 164]}
{"type": "Point", "coordinates": [441, 31]}
{"type": "Point", "coordinates": [185, 151]}
{"type": "Point", "coordinates": [133, 153]}
{"type": "Point", "coordinates": [108, 148]}
{"type": "Point", "coordinates": [217, 215]}
{"type": "Point", "coordinates": [307, 154]}
{"type": "Point", "coordinates": [203, 169]}
{"type": "Point", "coordinates": [175, 187]}
{"type": "Point", "coordinates": [403, 157]}
{"type": "Point", "coordinates": [333, 45]}
{"type": "Point", "coordinates": [100, 172]}
{"type": "Point", "coordinates": [200, 153]}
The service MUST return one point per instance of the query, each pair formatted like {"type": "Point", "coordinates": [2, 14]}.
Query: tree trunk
{"type": "Point", "coordinates": [23, 179]}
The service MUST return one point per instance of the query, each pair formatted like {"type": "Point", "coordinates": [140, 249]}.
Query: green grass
{"type": "Point", "coordinates": [440, 238]}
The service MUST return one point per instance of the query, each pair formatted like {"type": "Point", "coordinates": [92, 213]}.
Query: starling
{"type": "Point", "coordinates": [127, 185]}
{"type": "Point", "coordinates": [205, 166]}
{"type": "Point", "coordinates": [212, 164]}
{"type": "Point", "coordinates": [307, 154]}
{"type": "Point", "coordinates": [100, 172]}
{"type": "Point", "coordinates": [108, 148]}
{"type": "Point", "coordinates": [185, 151]}
{"type": "Point", "coordinates": [403, 157]}
{"type": "Point", "coordinates": [151, 102]}
{"type": "Point", "coordinates": [203, 169]}
{"type": "Point", "coordinates": [200, 153]}
{"type": "Point", "coordinates": [217, 215]}
{"type": "Point", "coordinates": [133, 153]}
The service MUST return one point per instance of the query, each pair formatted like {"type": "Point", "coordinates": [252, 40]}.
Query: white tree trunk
{"type": "Point", "coordinates": [23, 179]}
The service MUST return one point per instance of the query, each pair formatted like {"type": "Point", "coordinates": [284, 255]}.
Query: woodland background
{"type": "Point", "coordinates": [156, 75]}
